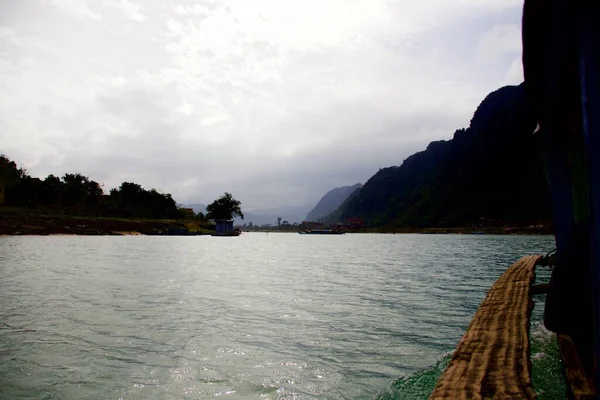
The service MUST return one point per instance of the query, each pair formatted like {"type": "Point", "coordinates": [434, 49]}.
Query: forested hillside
{"type": "Point", "coordinates": [488, 174]}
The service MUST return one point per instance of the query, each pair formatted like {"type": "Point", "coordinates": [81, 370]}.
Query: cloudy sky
{"type": "Point", "coordinates": [276, 101]}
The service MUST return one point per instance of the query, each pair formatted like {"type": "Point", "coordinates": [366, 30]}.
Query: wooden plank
{"type": "Point", "coordinates": [491, 360]}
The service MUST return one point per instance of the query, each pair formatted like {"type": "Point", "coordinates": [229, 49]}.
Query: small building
{"type": "Point", "coordinates": [307, 225]}
{"type": "Point", "coordinates": [188, 213]}
{"type": "Point", "coordinates": [223, 226]}
{"type": "Point", "coordinates": [338, 227]}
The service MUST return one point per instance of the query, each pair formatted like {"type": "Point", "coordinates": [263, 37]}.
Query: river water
{"type": "Point", "coordinates": [260, 316]}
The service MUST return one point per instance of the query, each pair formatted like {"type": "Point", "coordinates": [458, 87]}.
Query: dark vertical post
{"type": "Point", "coordinates": [558, 46]}
{"type": "Point", "coordinates": [589, 50]}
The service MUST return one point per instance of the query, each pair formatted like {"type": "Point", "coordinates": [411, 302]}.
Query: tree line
{"type": "Point", "coordinates": [80, 195]}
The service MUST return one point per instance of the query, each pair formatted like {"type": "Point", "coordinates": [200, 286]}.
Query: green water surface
{"type": "Point", "coordinates": [278, 316]}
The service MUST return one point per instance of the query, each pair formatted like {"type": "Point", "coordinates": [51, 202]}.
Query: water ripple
{"type": "Point", "coordinates": [281, 316]}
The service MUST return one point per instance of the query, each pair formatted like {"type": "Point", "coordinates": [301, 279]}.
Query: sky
{"type": "Point", "coordinates": [275, 101]}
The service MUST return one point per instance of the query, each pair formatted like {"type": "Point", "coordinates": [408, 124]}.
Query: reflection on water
{"type": "Point", "coordinates": [258, 316]}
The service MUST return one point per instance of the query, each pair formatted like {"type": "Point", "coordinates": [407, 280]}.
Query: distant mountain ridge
{"type": "Point", "coordinates": [489, 174]}
{"type": "Point", "coordinates": [291, 214]}
{"type": "Point", "coordinates": [262, 217]}
{"type": "Point", "coordinates": [331, 201]}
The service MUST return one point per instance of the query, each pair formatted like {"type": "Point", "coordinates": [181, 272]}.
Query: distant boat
{"type": "Point", "coordinates": [235, 232]}
{"type": "Point", "coordinates": [224, 227]}
{"type": "Point", "coordinates": [321, 232]}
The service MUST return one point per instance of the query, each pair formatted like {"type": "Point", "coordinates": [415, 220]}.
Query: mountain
{"type": "Point", "coordinates": [488, 174]}
{"type": "Point", "coordinates": [261, 217]}
{"type": "Point", "coordinates": [269, 216]}
{"type": "Point", "coordinates": [331, 201]}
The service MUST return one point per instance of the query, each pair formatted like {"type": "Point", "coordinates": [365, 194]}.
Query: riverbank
{"type": "Point", "coordinates": [15, 221]}
{"type": "Point", "coordinates": [490, 230]}
{"type": "Point", "coordinates": [498, 230]}
{"type": "Point", "coordinates": [20, 221]}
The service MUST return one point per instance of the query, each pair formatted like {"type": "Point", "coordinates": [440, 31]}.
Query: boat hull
{"type": "Point", "coordinates": [227, 234]}
{"type": "Point", "coordinates": [321, 232]}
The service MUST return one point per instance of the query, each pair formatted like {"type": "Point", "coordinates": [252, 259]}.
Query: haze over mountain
{"type": "Point", "coordinates": [273, 101]}
{"type": "Point", "coordinates": [262, 217]}
{"type": "Point", "coordinates": [291, 214]}
{"type": "Point", "coordinates": [331, 201]}
{"type": "Point", "coordinates": [489, 174]}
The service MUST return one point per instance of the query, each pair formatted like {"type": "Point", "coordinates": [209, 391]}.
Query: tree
{"type": "Point", "coordinates": [79, 194]}
{"type": "Point", "coordinates": [80, 191]}
{"type": "Point", "coordinates": [53, 190]}
{"type": "Point", "coordinates": [225, 207]}
{"type": "Point", "coordinates": [75, 188]}
{"type": "Point", "coordinates": [278, 221]}
{"type": "Point", "coordinates": [131, 193]}
{"type": "Point", "coordinates": [11, 177]}
{"type": "Point", "coordinates": [132, 200]}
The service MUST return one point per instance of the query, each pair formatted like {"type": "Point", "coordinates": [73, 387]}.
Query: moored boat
{"type": "Point", "coordinates": [321, 232]}
{"type": "Point", "coordinates": [235, 232]}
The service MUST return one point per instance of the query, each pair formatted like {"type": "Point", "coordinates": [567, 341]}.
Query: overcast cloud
{"type": "Point", "coordinates": [276, 101]}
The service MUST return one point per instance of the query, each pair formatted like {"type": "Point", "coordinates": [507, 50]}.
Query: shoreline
{"type": "Point", "coordinates": [502, 230]}
{"type": "Point", "coordinates": [27, 222]}
{"type": "Point", "coordinates": [489, 230]}
{"type": "Point", "coordinates": [455, 231]}
{"type": "Point", "coordinates": [19, 222]}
